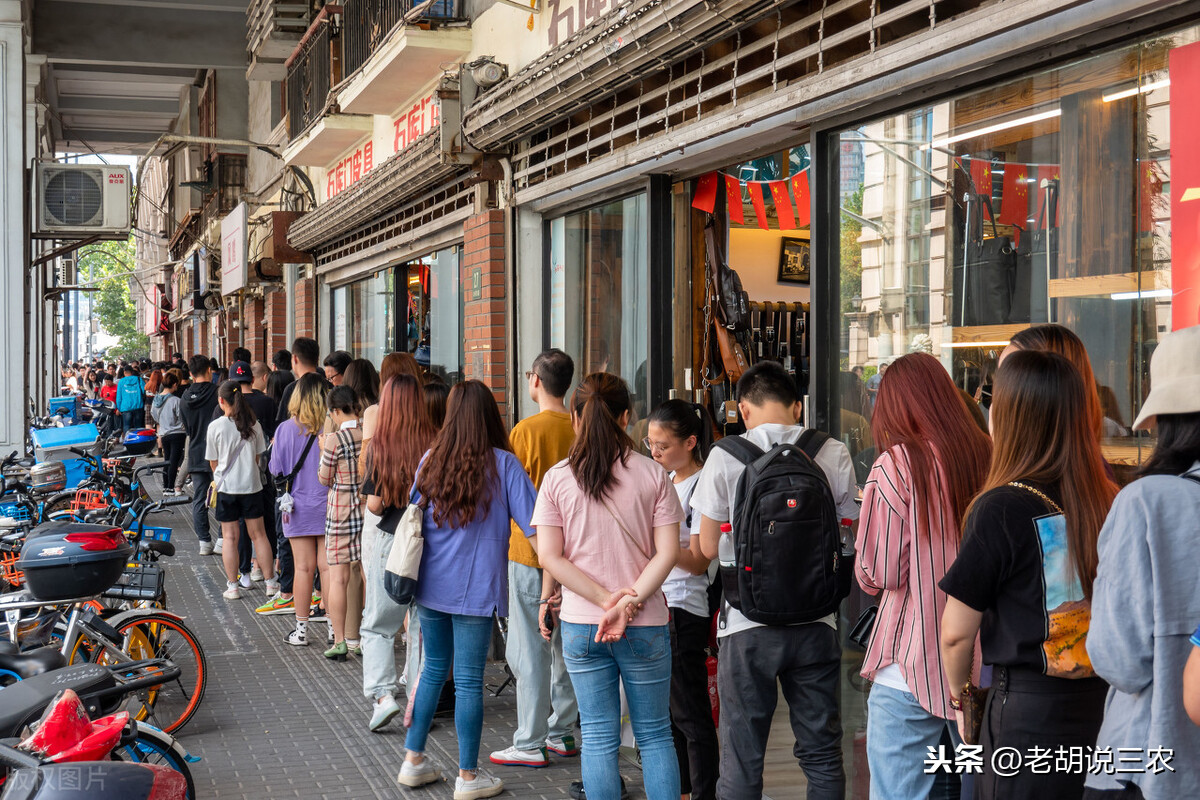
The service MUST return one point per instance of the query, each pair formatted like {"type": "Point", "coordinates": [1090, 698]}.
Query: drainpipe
{"type": "Point", "coordinates": [510, 286]}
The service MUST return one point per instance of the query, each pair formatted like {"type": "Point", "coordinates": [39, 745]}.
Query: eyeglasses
{"type": "Point", "coordinates": [530, 373]}
{"type": "Point", "coordinates": [655, 447]}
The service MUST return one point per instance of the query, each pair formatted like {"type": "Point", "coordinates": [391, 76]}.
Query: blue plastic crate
{"type": "Point", "coordinates": [14, 511]}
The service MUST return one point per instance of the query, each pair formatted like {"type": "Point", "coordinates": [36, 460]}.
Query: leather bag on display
{"type": "Point", "coordinates": [1036, 262]}
{"type": "Point", "coordinates": [983, 284]}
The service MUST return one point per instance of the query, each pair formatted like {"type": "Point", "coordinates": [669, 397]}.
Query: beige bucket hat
{"type": "Point", "coordinates": [1174, 377]}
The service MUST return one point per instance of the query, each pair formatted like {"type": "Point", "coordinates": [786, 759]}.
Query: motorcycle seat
{"type": "Point", "coordinates": [23, 702]}
{"type": "Point", "coordinates": [33, 662]}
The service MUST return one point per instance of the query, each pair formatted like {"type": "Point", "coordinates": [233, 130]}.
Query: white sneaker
{"type": "Point", "coordinates": [206, 548]}
{"type": "Point", "coordinates": [272, 586]}
{"type": "Point", "coordinates": [256, 574]}
{"type": "Point", "coordinates": [483, 785]}
{"type": "Point", "coordinates": [385, 710]}
{"type": "Point", "coordinates": [218, 546]}
{"type": "Point", "coordinates": [512, 757]}
{"type": "Point", "coordinates": [418, 774]}
{"type": "Point", "coordinates": [245, 582]}
{"type": "Point", "coordinates": [296, 638]}
{"type": "Point", "coordinates": [232, 592]}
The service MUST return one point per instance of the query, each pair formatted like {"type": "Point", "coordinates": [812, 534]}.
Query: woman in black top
{"type": "Point", "coordinates": [1023, 582]}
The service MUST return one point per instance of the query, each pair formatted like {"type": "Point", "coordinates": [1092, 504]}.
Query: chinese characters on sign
{"type": "Point", "coordinates": [568, 16]}
{"type": "Point", "coordinates": [406, 128]}
{"type": "Point", "coordinates": [233, 249]}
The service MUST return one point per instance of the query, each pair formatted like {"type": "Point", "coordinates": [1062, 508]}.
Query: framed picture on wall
{"type": "Point", "coordinates": [794, 261]}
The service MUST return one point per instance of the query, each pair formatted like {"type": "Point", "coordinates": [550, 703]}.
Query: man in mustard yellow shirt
{"type": "Point", "coordinates": [546, 709]}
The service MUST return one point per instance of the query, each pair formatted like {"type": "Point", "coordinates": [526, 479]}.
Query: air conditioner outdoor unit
{"type": "Point", "coordinates": [82, 199]}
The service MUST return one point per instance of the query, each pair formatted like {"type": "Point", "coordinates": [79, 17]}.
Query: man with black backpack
{"type": "Point", "coordinates": [783, 490]}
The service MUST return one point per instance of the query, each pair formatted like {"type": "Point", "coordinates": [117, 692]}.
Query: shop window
{"type": "Point", "coordinates": [1043, 199]}
{"type": "Point", "coordinates": [601, 257]}
{"type": "Point", "coordinates": [434, 316]}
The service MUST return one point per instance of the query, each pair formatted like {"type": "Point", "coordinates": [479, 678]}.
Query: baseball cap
{"type": "Point", "coordinates": [240, 372]}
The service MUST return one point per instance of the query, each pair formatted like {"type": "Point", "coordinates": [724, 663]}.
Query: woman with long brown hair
{"type": "Point", "coordinates": [934, 460]}
{"type": "Point", "coordinates": [608, 532]}
{"type": "Point", "coordinates": [391, 457]}
{"type": "Point", "coordinates": [472, 488]}
{"type": "Point", "coordinates": [1024, 576]}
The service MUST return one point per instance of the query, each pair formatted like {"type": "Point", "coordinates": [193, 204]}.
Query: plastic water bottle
{"type": "Point", "coordinates": [726, 554]}
{"type": "Point", "coordinates": [847, 532]}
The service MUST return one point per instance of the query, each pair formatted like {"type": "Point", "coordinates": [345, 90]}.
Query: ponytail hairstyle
{"type": "Point", "coordinates": [684, 420]}
{"type": "Point", "coordinates": [243, 415]}
{"type": "Point", "coordinates": [345, 399]}
{"type": "Point", "coordinates": [600, 441]}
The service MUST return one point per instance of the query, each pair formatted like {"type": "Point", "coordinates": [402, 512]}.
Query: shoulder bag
{"type": "Point", "coordinates": [983, 284]}
{"type": "Point", "coordinates": [284, 483]}
{"type": "Point", "coordinates": [214, 488]}
{"type": "Point", "coordinates": [403, 567]}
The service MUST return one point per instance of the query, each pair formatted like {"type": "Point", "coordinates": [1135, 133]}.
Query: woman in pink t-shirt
{"type": "Point", "coordinates": [607, 524]}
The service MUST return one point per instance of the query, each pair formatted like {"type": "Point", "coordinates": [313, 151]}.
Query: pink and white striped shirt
{"type": "Point", "coordinates": [904, 548]}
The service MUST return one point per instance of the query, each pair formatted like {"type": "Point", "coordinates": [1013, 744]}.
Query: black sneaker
{"type": "Point", "coordinates": [576, 791]}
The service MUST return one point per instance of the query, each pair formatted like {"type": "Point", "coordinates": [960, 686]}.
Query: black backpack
{"type": "Point", "coordinates": [790, 567]}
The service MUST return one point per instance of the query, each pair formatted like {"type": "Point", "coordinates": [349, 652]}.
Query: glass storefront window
{"type": "Point", "coordinates": [367, 319]}
{"type": "Point", "coordinates": [1043, 199]}
{"type": "Point", "coordinates": [600, 257]}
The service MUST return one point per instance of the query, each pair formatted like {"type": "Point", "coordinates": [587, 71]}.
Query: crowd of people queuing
{"type": "Point", "coordinates": [997, 547]}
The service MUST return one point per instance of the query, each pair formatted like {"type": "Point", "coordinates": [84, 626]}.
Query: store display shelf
{"type": "Point", "coordinates": [1125, 454]}
{"type": "Point", "coordinates": [985, 335]}
{"type": "Point", "coordinates": [1099, 285]}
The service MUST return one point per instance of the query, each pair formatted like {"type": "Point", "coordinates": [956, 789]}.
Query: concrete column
{"type": "Point", "coordinates": [13, 235]}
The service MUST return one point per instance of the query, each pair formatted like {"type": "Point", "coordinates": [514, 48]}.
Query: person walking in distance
{"type": "Point", "coordinates": [934, 460]}
{"type": "Point", "coordinates": [401, 436]}
{"type": "Point", "coordinates": [680, 438]}
{"type": "Point", "coordinates": [199, 402]}
{"type": "Point", "coordinates": [546, 709]}
{"type": "Point", "coordinates": [166, 411]}
{"type": "Point", "coordinates": [757, 660]}
{"type": "Point", "coordinates": [233, 444]}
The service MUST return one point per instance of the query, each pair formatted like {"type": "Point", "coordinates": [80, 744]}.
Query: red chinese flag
{"type": "Point", "coordinates": [756, 200]}
{"type": "Point", "coordinates": [733, 193]}
{"type": "Point", "coordinates": [783, 205]}
{"type": "Point", "coordinates": [706, 193]}
{"type": "Point", "coordinates": [800, 190]}
{"type": "Point", "coordinates": [1046, 172]}
{"type": "Point", "coordinates": [981, 176]}
{"type": "Point", "coordinates": [1014, 206]}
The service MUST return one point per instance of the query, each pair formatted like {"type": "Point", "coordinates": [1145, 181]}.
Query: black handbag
{"type": "Point", "coordinates": [983, 284]}
{"type": "Point", "coordinates": [1036, 263]}
{"type": "Point", "coordinates": [733, 303]}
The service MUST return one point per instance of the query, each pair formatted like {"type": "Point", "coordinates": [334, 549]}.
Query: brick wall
{"type": "Point", "coordinates": [306, 307]}
{"type": "Point", "coordinates": [253, 335]}
{"type": "Point", "coordinates": [484, 341]}
{"type": "Point", "coordinates": [275, 315]}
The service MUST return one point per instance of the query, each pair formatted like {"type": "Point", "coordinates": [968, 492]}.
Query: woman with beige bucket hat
{"type": "Point", "coordinates": [1146, 598]}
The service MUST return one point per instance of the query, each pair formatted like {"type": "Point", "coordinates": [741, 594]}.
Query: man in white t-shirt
{"type": "Point", "coordinates": [756, 660]}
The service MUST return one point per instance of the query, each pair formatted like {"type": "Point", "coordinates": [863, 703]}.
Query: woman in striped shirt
{"type": "Point", "coordinates": [934, 459]}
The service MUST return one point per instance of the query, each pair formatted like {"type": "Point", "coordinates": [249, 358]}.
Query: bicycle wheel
{"type": "Point", "coordinates": [152, 746]}
{"type": "Point", "coordinates": [170, 705]}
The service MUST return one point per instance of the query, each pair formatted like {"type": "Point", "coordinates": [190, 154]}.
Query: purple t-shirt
{"type": "Point", "coordinates": [308, 513]}
{"type": "Point", "coordinates": [465, 570]}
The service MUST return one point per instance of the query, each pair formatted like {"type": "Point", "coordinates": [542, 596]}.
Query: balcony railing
{"type": "Point", "coordinates": [312, 70]}
{"type": "Point", "coordinates": [367, 23]}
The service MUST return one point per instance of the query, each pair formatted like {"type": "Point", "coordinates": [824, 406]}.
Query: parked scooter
{"type": "Point", "coordinates": [67, 753]}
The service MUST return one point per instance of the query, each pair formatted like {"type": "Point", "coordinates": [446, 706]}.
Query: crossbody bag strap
{"type": "Point", "coordinates": [291, 478]}
{"type": "Point", "coordinates": [625, 530]}
{"type": "Point", "coordinates": [1040, 494]}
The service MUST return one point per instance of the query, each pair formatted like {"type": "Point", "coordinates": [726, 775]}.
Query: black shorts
{"type": "Point", "coordinates": [235, 507]}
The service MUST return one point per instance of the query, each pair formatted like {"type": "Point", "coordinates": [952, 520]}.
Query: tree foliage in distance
{"type": "Point", "coordinates": [851, 250]}
{"type": "Point", "coordinates": [109, 266]}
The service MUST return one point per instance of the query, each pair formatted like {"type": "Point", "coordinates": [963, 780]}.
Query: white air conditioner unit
{"type": "Point", "coordinates": [82, 199]}
{"type": "Point", "coordinates": [67, 274]}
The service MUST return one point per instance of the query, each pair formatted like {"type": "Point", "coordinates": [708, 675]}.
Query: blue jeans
{"type": "Point", "coordinates": [899, 733]}
{"type": "Point", "coordinates": [642, 663]}
{"type": "Point", "coordinates": [463, 641]}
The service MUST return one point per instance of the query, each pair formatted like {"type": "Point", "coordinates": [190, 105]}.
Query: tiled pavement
{"type": "Point", "coordinates": [283, 722]}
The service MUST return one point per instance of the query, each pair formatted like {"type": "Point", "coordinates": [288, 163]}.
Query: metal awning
{"type": "Point", "coordinates": [636, 39]}
{"type": "Point", "coordinates": [391, 184]}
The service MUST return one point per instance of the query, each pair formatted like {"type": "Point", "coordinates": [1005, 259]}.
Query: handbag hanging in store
{"type": "Point", "coordinates": [983, 284]}
{"type": "Point", "coordinates": [1036, 262]}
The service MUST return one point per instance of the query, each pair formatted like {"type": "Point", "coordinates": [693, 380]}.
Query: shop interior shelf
{"type": "Point", "coordinates": [1092, 285]}
{"type": "Point", "coordinates": [987, 335]}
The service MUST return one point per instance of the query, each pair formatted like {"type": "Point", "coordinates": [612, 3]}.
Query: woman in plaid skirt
{"type": "Point", "coordinates": [344, 520]}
